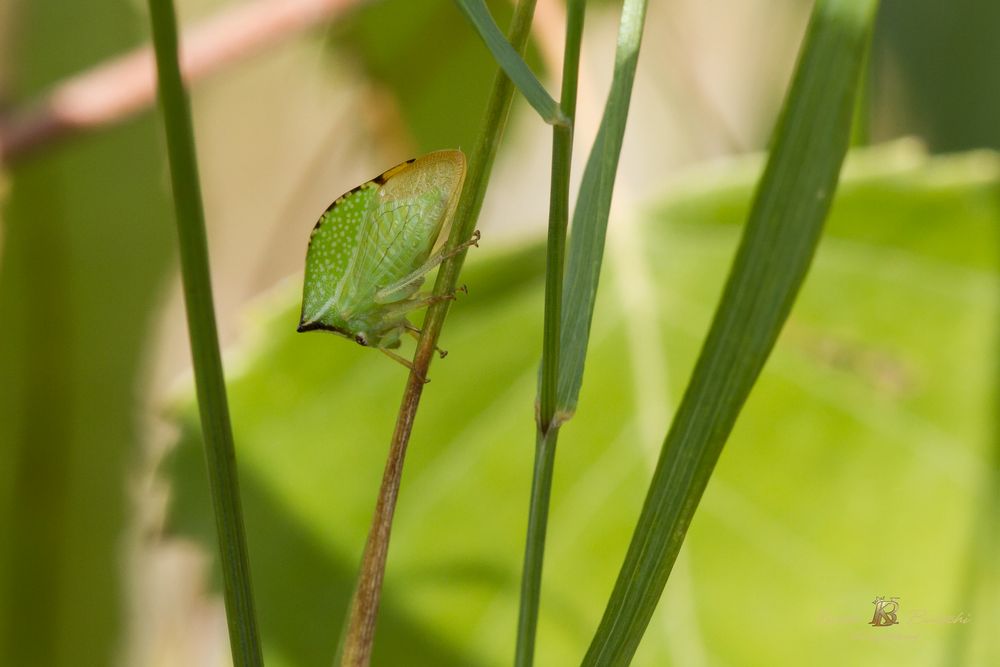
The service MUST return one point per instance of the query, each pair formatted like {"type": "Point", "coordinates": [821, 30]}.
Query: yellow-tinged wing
{"type": "Point", "coordinates": [406, 216]}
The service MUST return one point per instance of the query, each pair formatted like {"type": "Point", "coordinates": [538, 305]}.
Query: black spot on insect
{"type": "Point", "coordinates": [389, 173]}
{"type": "Point", "coordinates": [341, 198]}
{"type": "Point", "coordinates": [336, 202]}
{"type": "Point", "coordinates": [314, 326]}
{"type": "Point", "coordinates": [377, 181]}
{"type": "Point", "coordinates": [320, 326]}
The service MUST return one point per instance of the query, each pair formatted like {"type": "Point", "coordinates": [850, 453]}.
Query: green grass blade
{"type": "Point", "coordinates": [511, 62]}
{"type": "Point", "coordinates": [861, 123]}
{"type": "Point", "coordinates": [547, 434]}
{"type": "Point", "coordinates": [206, 359]}
{"type": "Point", "coordinates": [781, 235]}
{"type": "Point", "coordinates": [593, 206]}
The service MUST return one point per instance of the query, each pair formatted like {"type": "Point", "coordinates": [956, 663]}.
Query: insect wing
{"type": "Point", "coordinates": [413, 204]}
{"type": "Point", "coordinates": [333, 243]}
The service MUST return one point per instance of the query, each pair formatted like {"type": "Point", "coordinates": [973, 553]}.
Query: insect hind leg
{"type": "Point", "coordinates": [415, 333]}
{"type": "Point", "coordinates": [411, 281]}
{"type": "Point", "coordinates": [402, 360]}
{"type": "Point", "coordinates": [419, 301]}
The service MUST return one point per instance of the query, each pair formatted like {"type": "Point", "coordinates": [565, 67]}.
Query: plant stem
{"type": "Point", "coordinates": [206, 359]}
{"type": "Point", "coordinates": [358, 639]}
{"type": "Point", "coordinates": [120, 87]}
{"type": "Point", "coordinates": [562, 157]}
{"type": "Point", "coordinates": [534, 549]}
{"type": "Point", "coordinates": [548, 425]}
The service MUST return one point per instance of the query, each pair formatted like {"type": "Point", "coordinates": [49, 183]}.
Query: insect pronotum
{"type": "Point", "coordinates": [371, 249]}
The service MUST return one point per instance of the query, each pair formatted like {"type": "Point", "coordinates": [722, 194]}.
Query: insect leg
{"type": "Point", "coordinates": [395, 291]}
{"type": "Point", "coordinates": [403, 307]}
{"type": "Point", "coordinates": [395, 357]}
{"type": "Point", "coordinates": [415, 333]}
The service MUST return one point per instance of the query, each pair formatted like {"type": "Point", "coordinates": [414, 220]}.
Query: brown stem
{"type": "Point", "coordinates": [364, 606]}
{"type": "Point", "coordinates": [357, 646]}
{"type": "Point", "coordinates": [115, 90]}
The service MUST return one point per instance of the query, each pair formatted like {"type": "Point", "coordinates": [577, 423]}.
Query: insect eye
{"type": "Point", "coordinates": [361, 340]}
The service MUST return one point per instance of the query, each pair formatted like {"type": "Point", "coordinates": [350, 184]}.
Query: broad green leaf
{"type": "Point", "coordinates": [512, 62]}
{"type": "Point", "coordinates": [853, 472]}
{"type": "Point", "coordinates": [783, 228]}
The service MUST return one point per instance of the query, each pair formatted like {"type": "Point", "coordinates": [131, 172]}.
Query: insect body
{"type": "Point", "coordinates": [372, 247]}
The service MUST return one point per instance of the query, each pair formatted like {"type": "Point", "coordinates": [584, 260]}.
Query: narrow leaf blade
{"type": "Point", "coordinates": [511, 62]}
{"type": "Point", "coordinates": [590, 217]}
{"type": "Point", "coordinates": [783, 229]}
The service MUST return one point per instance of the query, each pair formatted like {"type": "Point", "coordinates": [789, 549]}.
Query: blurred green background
{"type": "Point", "coordinates": [864, 464]}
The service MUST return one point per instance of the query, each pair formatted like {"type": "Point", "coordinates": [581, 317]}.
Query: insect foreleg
{"type": "Point", "coordinates": [411, 281]}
